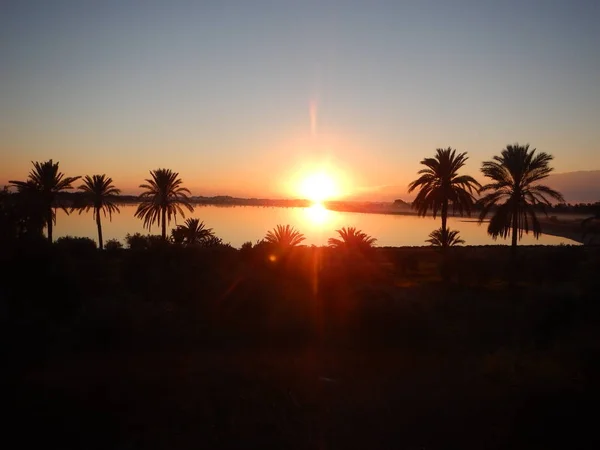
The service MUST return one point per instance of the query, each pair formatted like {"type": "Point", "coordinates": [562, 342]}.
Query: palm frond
{"type": "Point", "coordinates": [353, 239]}
{"type": "Point", "coordinates": [444, 238]}
{"type": "Point", "coordinates": [284, 236]}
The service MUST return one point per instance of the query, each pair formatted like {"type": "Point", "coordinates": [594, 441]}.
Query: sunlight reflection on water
{"type": "Point", "coordinates": [317, 213]}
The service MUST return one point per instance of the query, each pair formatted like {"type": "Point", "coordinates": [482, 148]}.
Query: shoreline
{"type": "Point", "coordinates": [568, 226]}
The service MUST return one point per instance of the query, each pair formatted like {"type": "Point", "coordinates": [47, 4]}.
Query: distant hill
{"type": "Point", "coordinates": [401, 204]}
{"type": "Point", "coordinates": [577, 187]}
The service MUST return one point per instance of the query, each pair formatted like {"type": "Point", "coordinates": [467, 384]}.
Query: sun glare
{"type": "Point", "coordinates": [317, 213]}
{"type": "Point", "coordinates": [318, 187]}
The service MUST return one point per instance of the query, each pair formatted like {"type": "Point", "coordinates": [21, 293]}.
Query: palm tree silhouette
{"type": "Point", "coordinates": [192, 232]}
{"type": "Point", "coordinates": [440, 185]}
{"type": "Point", "coordinates": [352, 239]}
{"type": "Point", "coordinates": [515, 193]}
{"type": "Point", "coordinates": [98, 192]}
{"type": "Point", "coordinates": [162, 199]}
{"type": "Point", "coordinates": [44, 183]}
{"type": "Point", "coordinates": [284, 236]}
{"type": "Point", "coordinates": [444, 238]}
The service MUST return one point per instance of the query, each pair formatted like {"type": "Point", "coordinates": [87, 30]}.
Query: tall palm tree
{"type": "Point", "coordinates": [352, 239]}
{"type": "Point", "coordinates": [284, 236]}
{"type": "Point", "coordinates": [440, 185]}
{"type": "Point", "coordinates": [444, 238]}
{"type": "Point", "coordinates": [162, 199]}
{"type": "Point", "coordinates": [192, 232]}
{"type": "Point", "coordinates": [98, 193]}
{"type": "Point", "coordinates": [515, 193]}
{"type": "Point", "coordinates": [45, 182]}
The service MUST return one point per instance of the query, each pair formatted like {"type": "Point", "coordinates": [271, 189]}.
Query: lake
{"type": "Point", "coordinates": [238, 224]}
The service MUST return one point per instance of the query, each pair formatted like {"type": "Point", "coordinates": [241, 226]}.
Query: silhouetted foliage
{"type": "Point", "coordinates": [515, 192]}
{"type": "Point", "coordinates": [162, 199]}
{"type": "Point", "coordinates": [444, 238]}
{"type": "Point", "coordinates": [213, 241]}
{"type": "Point", "coordinates": [191, 233]}
{"type": "Point", "coordinates": [284, 237]}
{"type": "Point", "coordinates": [282, 347]}
{"type": "Point", "coordinates": [75, 245]}
{"type": "Point", "coordinates": [41, 188]}
{"type": "Point", "coordinates": [178, 236]}
{"type": "Point", "coordinates": [353, 240]}
{"type": "Point", "coordinates": [113, 244]}
{"type": "Point", "coordinates": [98, 195]}
{"type": "Point", "coordinates": [440, 185]}
{"type": "Point", "coordinates": [138, 241]}
{"type": "Point", "coordinates": [21, 216]}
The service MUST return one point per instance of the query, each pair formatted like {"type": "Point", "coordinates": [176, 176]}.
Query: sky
{"type": "Point", "coordinates": [247, 98]}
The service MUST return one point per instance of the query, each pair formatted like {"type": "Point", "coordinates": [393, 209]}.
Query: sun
{"type": "Point", "coordinates": [318, 186]}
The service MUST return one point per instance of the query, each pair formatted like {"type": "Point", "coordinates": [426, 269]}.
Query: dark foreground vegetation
{"type": "Point", "coordinates": [187, 347]}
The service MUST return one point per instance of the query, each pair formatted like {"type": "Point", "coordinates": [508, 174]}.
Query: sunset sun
{"type": "Point", "coordinates": [318, 187]}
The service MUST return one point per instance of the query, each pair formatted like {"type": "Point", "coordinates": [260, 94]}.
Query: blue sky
{"type": "Point", "coordinates": [221, 91]}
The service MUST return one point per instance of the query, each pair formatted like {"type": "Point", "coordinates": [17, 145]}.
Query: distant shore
{"type": "Point", "coordinates": [562, 225]}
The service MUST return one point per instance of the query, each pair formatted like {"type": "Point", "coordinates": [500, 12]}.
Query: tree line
{"type": "Point", "coordinates": [511, 199]}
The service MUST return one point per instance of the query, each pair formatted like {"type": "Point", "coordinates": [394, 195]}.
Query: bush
{"type": "Point", "coordinates": [214, 241]}
{"type": "Point", "coordinates": [113, 244]}
{"type": "Point", "coordinates": [75, 245]}
{"type": "Point", "coordinates": [138, 241]}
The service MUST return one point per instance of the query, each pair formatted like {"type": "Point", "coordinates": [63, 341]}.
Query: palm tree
{"type": "Point", "coordinates": [444, 238]}
{"type": "Point", "coordinates": [284, 236]}
{"type": "Point", "coordinates": [45, 182]}
{"type": "Point", "coordinates": [98, 192]}
{"type": "Point", "coordinates": [440, 185]}
{"type": "Point", "coordinates": [515, 193]}
{"type": "Point", "coordinates": [162, 199]}
{"type": "Point", "coordinates": [192, 232]}
{"type": "Point", "coordinates": [352, 239]}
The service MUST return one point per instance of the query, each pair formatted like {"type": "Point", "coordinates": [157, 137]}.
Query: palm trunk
{"type": "Point", "coordinates": [99, 225]}
{"type": "Point", "coordinates": [515, 233]}
{"type": "Point", "coordinates": [49, 224]}
{"type": "Point", "coordinates": [164, 224]}
{"type": "Point", "coordinates": [444, 222]}
{"type": "Point", "coordinates": [515, 236]}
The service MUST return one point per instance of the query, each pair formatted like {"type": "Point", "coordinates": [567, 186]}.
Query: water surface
{"type": "Point", "coordinates": [238, 224]}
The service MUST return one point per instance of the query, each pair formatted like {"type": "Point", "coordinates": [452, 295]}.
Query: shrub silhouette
{"type": "Point", "coordinates": [113, 244]}
{"type": "Point", "coordinates": [75, 245]}
{"type": "Point", "coordinates": [284, 237]}
{"type": "Point", "coordinates": [353, 240]}
{"type": "Point", "coordinates": [444, 238]}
